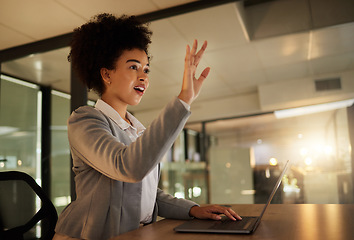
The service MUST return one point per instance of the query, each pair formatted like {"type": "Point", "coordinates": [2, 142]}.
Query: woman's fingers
{"type": "Point", "coordinates": [192, 53]}
{"type": "Point", "coordinates": [194, 56]}
{"type": "Point", "coordinates": [200, 53]}
{"type": "Point", "coordinates": [191, 85]}
{"type": "Point", "coordinates": [204, 74]}
{"type": "Point", "coordinates": [213, 212]}
{"type": "Point", "coordinates": [232, 214]}
{"type": "Point", "coordinates": [228, 212]}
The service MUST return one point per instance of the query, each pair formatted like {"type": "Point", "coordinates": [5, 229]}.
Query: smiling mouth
{"type": "Point", "coordinates": [139, 89]}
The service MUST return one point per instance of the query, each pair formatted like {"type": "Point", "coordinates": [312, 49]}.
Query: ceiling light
{"type": "Point", "coordinates": [293, 112]}
{"type": "Point", "coordinates": [23, 83]}
{"type": "Point", "coordinates": [7, 130]}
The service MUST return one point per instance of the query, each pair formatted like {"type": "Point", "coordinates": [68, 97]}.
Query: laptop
{"type": "Point", "coordinates": [247, 225]}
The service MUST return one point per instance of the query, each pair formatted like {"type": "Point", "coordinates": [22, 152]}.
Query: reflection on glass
{"type": "Point", "coordinates": [19, 138]}
{"type": "Point", "coordinates": [317, 145]}
{"type": "Point", "coordinates": [184, 175]}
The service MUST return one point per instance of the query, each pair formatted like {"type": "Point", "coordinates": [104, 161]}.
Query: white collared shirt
{"type": "Point", "coordinates": [150, 181]}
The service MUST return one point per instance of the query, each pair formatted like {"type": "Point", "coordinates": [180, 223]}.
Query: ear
{"type": "Point", "coordinates": [105, 74]}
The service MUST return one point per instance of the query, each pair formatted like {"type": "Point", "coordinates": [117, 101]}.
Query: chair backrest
{"type": "Point", "coordinates": [18, 216]}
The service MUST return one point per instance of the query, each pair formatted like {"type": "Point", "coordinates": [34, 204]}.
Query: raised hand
{"type": "Point", "coordinates": [191, 85]}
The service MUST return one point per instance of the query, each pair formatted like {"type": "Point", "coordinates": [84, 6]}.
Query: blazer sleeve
{"type": "Point", "coordinates": [91, 140]}
{"type": "Point", "coordinates": [172, 207]}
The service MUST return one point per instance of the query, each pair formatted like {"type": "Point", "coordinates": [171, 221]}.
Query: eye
{"type": "Point", "coordinates": [134, 67]}
{"type": "Point", "coordinates": [147, 70]}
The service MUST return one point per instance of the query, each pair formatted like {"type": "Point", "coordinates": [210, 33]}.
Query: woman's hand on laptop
{"type": "Point", "coordinates": [213, 212]}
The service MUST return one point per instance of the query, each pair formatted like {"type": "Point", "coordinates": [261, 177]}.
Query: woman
{"type": "Point", "coordinates": [115, 159]}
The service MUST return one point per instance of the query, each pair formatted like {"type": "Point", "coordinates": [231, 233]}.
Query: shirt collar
{"type": "Point", "coordinates": [106, 109]}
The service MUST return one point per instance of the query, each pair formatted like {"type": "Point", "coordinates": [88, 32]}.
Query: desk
{"type": "Point", "coordinates": [280, 221]}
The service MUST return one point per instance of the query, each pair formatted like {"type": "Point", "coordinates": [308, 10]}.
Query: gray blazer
{"type": "Point", "coordinates": [109, 169]}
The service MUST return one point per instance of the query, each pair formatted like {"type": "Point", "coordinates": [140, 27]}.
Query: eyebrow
{"type": "Point", "coordinates": [137, 61]}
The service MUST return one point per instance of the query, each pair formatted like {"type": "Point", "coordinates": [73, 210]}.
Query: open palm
{"type": "Point", "coordinates": [191, 85]}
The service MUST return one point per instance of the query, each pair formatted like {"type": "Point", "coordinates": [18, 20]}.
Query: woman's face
{"type": "Point", "coordinates": [127, 83]}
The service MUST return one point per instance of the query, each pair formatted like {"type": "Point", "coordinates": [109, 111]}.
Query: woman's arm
{"type": "Point", "coordinates": [91, 140]}
{"type": "Point", "coordinates": [171, 207]}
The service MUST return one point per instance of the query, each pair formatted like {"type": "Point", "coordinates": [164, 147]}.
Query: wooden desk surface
{"type": "Point", "coordinates": [280, 221]}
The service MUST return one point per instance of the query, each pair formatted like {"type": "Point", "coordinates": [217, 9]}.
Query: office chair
{"type": "Point", "coordinates": [18, 218]}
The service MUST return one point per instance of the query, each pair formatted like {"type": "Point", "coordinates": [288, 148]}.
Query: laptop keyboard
{"type": "Point", "coordinates": [227, 224]}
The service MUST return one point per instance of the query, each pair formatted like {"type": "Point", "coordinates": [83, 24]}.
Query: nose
{"type": "Point", "coordinates": [143, 77]}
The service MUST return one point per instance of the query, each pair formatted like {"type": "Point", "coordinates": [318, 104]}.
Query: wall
{"type": "Point", "coordinates": [302, 92]}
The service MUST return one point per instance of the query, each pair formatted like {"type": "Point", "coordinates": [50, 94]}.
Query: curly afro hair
{"type": "Point", "coordinates": [101, 41]}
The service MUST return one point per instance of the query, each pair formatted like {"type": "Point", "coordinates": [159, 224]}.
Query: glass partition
{"type": "Point", "coordinates": [183, 173]}
{"type": "Point", "coordinates": [52, 69]}
{"type": "Point", "coordinates": [248, 153]}
{"type": "Point", "coordinates": [20, 142]}
{"type": "Point", "coordinates": [20, 131]}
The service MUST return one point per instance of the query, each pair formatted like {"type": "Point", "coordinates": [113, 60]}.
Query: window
{"type": "Point", "coordinates": [20, 121]}
{"type": "Point", "coordinates": [248, 153]}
